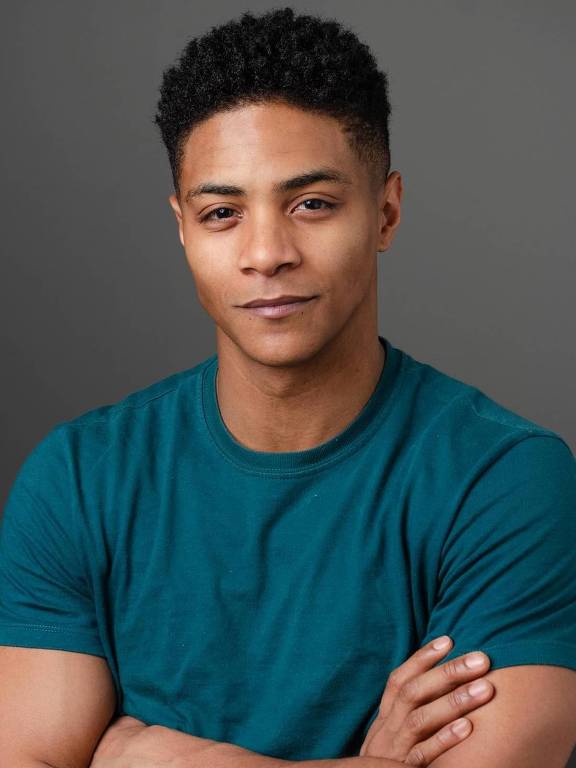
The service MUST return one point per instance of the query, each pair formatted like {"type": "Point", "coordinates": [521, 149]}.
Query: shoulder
{"type": "Point", "coordinates": [463, 430]}
{"type": "Point", "coordinates": [74, 448]}
{"type": "Point", "coordinates": [141, 401]}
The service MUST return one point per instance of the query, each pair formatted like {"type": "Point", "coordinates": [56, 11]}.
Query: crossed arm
{"type": "Point", "coordinates": [56, 708]}
{"type": "Point", "coordinates": [530, 723]}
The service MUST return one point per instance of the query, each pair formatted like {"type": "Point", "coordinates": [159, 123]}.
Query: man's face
{"type": "Point", "coordinates": [270, 242]}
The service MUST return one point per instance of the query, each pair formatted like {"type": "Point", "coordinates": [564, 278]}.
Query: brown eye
{"type": "Point", "coordinates": [209, 215]}
{"type": "Point", "coordinates": [316, 200]}
{"type": "Point", "coordinates": [212, 217]}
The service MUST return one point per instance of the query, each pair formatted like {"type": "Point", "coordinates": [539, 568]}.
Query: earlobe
{"type": "Point", "coordinates": [386, 232]}
{"type": "Point", "coordinates": [390, 210]}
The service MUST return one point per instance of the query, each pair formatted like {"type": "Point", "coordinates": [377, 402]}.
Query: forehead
{"type": "Point", "coordinates": [270, 138]}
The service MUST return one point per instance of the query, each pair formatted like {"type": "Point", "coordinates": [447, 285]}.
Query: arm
{"type": "Point", "coordinates": [531, 722]}
{"type": "Point", "coordinates": [126, 745]}
{"type": "Point", "coordinates": [507, 587]}
{"type": "Point", "coordinates": [223, 755]}
{"type": "Point", "coordinates": [391, 740]}
{"type": "Point", "coordinates": [54, 706]}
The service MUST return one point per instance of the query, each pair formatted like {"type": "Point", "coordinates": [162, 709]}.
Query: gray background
{"type": "Point", "coordinates": [97, 298]}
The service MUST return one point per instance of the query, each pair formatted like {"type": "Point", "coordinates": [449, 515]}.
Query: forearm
{"type": "Point", "coordinates": [225, 755]}
{"type": "Point", "coordinates": [352, 762]}
{"type": "Point", "coordinates": [158, 746]}
{"type": "Point", "coordinates": [129, 743]}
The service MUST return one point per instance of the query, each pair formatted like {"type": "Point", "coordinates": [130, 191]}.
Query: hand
{"type": "Point", "coordinates": [420, 705]}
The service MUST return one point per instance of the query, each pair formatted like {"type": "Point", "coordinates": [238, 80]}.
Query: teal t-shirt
{"type": "Point", "coordinates": [263, 599]}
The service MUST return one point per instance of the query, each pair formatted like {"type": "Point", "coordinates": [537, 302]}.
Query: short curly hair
{"type": "Point", "coordinates": [302, 60]}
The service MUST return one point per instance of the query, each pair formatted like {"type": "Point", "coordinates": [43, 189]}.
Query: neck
{"type": "Point", "coordinates": [279, 409]}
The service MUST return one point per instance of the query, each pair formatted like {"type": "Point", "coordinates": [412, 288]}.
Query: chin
{"type": "Point", "coordinates": [281, 350]}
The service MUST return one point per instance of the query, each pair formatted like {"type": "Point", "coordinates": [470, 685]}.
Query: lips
{"type": "Point", "coordinates": [276, 311]}
{"type": "Point", "coordinates": [278, 301]}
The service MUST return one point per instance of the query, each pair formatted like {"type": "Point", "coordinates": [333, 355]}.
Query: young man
{"type": "Point", "coordinates": [243, 552]}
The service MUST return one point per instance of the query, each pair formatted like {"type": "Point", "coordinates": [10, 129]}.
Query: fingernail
{"type": "Point", "coordinates": [441, 643]}
{"type": "Point", "coordinates": [474, 661]}
{"type": "Point", "coordinates": [460, 727]}
{"type": "Point", "coordinates": [478, 688]}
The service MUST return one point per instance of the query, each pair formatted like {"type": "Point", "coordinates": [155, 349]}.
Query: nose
{"type": "Point", "coordinates": [267, 248]}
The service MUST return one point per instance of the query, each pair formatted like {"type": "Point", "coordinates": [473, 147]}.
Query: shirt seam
{"type": "Point", "coordinates": [50, 628]}
{"type": "Point", "coordinates": [506, 443]}
{"type": "Point", "coordinates": [534, 429]}
{"type": "Point", "coordinates": [78, 422]}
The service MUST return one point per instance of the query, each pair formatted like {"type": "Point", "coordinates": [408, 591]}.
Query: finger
{"type": "Point", "coordinates": [462, 700]}
{"type": "Point", "coordinates": [419, 662]}
{"type": "Point", "coordinates": [434, 683]}
{"type": "Point", "coordinates": [431, 718]}
{"type": "Point", "coordinates": [427, 751]}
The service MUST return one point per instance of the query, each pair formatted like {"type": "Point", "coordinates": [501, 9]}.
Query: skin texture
{"type": "Point", "coordinates": [131, 744]}
{"type": "Point", "coordinates": [530, 723]}
{"type": "Point", "coordinates": [54, 706]}
{"type": "Point", "coordinates": [293, 383]}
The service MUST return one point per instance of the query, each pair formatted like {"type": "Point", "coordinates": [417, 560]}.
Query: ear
{"type": "Point", "coordinates": [389, 208]}
{"type": "Point", "coordinates": [175, 205]}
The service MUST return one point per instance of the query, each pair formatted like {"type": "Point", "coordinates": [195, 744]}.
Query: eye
{"type": "Point", "coordinates": [210, 215]}
{"type": "Point", "coordinates": [316, 200]}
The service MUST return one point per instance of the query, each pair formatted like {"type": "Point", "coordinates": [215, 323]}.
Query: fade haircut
{"type": "Point", "coordinates": [278, 56]}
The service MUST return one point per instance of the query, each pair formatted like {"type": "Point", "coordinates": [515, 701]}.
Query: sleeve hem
{"type": "Point", "coordinates": [515, 654]}
{"type": "Point", "coordinates": [50, 637]}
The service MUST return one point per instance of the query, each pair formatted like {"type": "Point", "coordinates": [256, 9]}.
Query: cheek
{"type": "Point", "coordinates": [211, 278]}
{"type": "Point", "coordinates": [353, 273]}
{"type": "Point", "coordinates": [352, 257]}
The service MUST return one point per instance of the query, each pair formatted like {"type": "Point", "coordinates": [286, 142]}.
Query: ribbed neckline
{"type": "Point", "coordinates": [289, 463]}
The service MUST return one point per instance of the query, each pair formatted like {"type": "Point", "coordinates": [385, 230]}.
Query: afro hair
{"type": "Point", "coordinates": [303, 60]}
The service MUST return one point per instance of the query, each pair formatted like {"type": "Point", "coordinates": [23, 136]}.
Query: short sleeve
{"type": "Point", "coordinates": [45, 600]}
{"type": "Point", "coordinates": [507, 579]}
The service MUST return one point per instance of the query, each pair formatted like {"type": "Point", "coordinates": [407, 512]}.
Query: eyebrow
{"type": "Point", "coordinates": [286, 185]}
